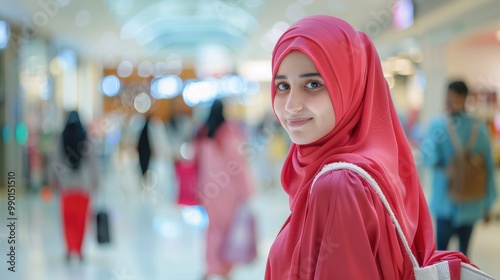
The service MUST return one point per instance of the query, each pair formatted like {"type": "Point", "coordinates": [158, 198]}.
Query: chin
{"type": "Point", "coordinates": [300, 140]}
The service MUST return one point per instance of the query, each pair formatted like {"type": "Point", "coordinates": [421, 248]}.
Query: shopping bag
{"type": "Point", "coordinates": [186, 172]}
{"type": "Point", "coordinates": [102, 226]}
{"type": "Point", "coordinates": [443, 270]}
{"type": "Point", "coordinates": [240, 244]}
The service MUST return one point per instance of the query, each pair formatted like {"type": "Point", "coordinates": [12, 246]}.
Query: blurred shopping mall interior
{"type": "Point", "coordinates": [115, 61]}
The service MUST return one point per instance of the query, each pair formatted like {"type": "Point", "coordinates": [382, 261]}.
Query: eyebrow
{"type": "Point", "coordinates": [307, 75]}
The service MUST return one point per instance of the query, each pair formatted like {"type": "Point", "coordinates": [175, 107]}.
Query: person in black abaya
{"type": "Point", "coordinates": [144, 148]}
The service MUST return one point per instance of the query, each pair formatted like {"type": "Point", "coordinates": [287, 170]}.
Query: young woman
{"type": "Point", "coordinates": [330, 95]}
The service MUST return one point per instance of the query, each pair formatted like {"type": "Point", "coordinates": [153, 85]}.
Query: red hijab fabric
{"type": "Point", "coordinates": [367, 133]}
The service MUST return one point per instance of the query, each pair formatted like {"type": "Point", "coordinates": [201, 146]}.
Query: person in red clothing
{"type": "Point", "coordinates": [330, 95]}
{"type": "Point", "coordinates": [74, 172]}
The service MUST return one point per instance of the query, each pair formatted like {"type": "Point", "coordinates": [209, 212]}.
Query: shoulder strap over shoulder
{"type": "Point", "coordinates": [360, 171]}
{"type": "Point", "coordinates": [437, 271]}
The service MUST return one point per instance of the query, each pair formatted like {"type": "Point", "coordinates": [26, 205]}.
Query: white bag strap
{"type": "Point", "coordinates": [373, 183]}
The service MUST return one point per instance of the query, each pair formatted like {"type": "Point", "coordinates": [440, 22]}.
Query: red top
{"type": "Point", "coordinates": [341, 229]}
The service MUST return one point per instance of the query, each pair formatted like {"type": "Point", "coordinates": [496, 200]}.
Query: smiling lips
{"type": "Point", "coordinates": [294, 123]}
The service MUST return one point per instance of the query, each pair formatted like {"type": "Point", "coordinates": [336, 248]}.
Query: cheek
{"type": "Point", "coordinates": [278, 107]}
{"type": "Point", "coordinates": [328, 115]}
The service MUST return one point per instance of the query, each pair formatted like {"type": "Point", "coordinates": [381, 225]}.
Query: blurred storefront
{"type": "Point", "coordinates": [39, 83]}
{"type": "Point", "coordinates": [11, 108]}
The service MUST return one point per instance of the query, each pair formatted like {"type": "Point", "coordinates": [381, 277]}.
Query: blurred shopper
{"type": "Point", "coordinates": [330, 95]}
{"type": "Point", "coordinates": [180, 131]}
{"type": "Point", "coordinates": [74, 172]}
{"type": "Point", "coordinates": [224, 184]}
{"type": "Point", "coordinates": [181, 135]}
{"type": "Point", "coordinates": [155, 160]}
{"type": "Point", "coordinates": [449, 136]}
{"type": "Point", "coordinates": [144, 148]}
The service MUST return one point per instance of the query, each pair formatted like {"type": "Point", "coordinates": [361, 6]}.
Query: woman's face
{"type": "Point", "coordinates": [302, 102]}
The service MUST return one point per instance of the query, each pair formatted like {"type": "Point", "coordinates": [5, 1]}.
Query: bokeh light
{"type": "Point", "coordinates": [232, 85]}
{"type": "Point", "coordinates": [125, 69]}
{"type": "Point", "coordinates": [113, 136]}
{"type": "Point", "coordinates": [167, 229]}
{"type": "Point", "coordinates": [145, 69]}
{"type": "Point", "coordinates": [195, 216]}
{"type": "Point", "coordinates": [67, 59]}
{"type": "Point", "coordinates": [22, 133]}
{"type": "Point", "coordinates": [142, 102]}
{"type": "Point", "coordinates": [110, 85]}
{"type": "Point", "coordinates": [166, 87]}
{"type": "Point", "coordinates": [271, 37]}
{"type": "Point", "coordinates": [197, 92]}
{"type": "Point", "coordinates": [4, 34]}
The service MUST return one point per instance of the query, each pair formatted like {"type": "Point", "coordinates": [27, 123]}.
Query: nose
{"type": "Point", "coordinates": [294, 102]}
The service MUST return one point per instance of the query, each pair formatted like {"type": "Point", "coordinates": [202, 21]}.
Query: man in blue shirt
{"type": "Point", "coordinates": [454, 217]}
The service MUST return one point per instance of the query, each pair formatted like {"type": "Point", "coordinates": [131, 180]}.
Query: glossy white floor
{"type": "Point", "coordinates": [153, 239]}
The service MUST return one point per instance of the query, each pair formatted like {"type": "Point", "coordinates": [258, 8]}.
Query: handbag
{"type": "Point", "coordinates": [102, 226]}
{"type": "Point", "coordinates": [186, 172]}
{"type": "Point", "coordinates": [438, 271]}
{"type": "Point", "coordinates": [240, 244]}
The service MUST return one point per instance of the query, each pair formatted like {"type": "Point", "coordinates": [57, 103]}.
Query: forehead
{"type": "Point", "coordinates": [296, 62]}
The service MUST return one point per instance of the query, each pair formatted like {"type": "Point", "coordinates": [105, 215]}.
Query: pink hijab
{"type": "Point", "coordinates": [367, 133]}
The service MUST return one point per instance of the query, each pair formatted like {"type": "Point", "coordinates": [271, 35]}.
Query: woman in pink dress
{"type": "Point", "coordinates": [223, 184]}
{"type": "Point", "coordinates": [330, 95]}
